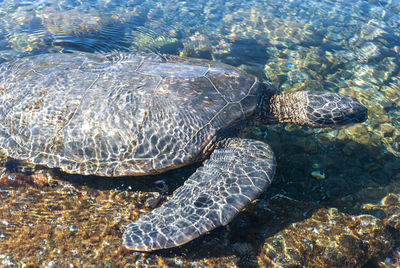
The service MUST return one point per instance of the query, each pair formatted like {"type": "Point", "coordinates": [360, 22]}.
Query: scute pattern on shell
{"type": "Point", "coordinates": [115, 115]}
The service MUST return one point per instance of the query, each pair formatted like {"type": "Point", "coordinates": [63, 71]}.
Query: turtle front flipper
{"type": "Point", "coordinates": [236, 173]}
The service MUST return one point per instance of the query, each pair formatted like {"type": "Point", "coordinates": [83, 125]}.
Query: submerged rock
{"type": "Point", "coordinates": [390, 205]}
{"type": "Point", "coordinates": [328, 239]}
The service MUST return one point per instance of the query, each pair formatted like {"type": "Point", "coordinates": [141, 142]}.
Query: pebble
{"type": "Point", "coordinates": [318, 174]}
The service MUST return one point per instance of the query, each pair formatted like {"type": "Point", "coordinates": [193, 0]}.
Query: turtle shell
{"type": "Point", "coordinates": [117, 115]}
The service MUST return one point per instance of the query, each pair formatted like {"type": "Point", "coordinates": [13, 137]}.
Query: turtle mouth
{"type": "Point", "coordinates": [359, 112]}
{"type": "Point", "coordinates": [355, 112]}
{"type": "Point", "coordinates": [351, 111]}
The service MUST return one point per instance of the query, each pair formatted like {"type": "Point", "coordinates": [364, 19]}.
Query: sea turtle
{"type": "Point", "coordinates": [137, 114]}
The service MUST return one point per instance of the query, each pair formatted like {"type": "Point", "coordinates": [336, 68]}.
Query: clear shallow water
{"type": "Point", "coordinates": [351, 47]}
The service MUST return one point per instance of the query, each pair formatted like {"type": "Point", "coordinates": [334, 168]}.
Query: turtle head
{"type": "Point", "coordinates": [316, 109]}
{"type": "Point", "coordinates": [332, 109]}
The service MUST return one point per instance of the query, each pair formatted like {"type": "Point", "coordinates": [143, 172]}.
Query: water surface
{"type": "Point", "coordinates": [49, 218]}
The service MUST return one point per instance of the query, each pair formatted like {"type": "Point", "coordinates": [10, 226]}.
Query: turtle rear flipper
{"type": "Point", "coordinates": [236, 173]}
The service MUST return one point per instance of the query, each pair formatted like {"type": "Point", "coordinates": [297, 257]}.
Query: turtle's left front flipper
{"type": "Point", "coordinates": [236, 173]}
